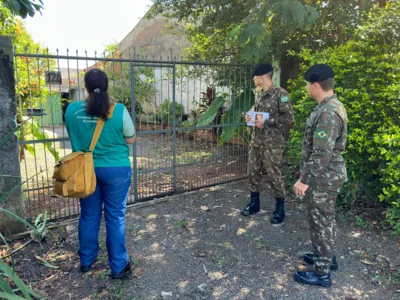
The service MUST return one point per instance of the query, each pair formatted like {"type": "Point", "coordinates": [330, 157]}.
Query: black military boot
{"type": "Point", "coordinates": [312, 278]}
{"type": "Point", "coordinates": [279, 213]}
{"type": "Point", "coordinates": [254, 205]}
{"type": "Point", "coordinates": [309, 258]}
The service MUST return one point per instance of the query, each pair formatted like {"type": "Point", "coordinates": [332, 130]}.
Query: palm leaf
{"type": "Point", "coordinates": [210, 114]}
{"type": "Point", "coordinates": [242, 103]}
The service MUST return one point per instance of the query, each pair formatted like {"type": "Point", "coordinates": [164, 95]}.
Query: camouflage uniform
{"type": "Point", "coordinates": [266, 145]}
{"type": "Point", "coordinates": [324, 170]}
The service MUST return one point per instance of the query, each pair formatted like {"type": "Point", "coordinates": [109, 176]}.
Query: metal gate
{"type": "Point", "coordinates": [177, 149]}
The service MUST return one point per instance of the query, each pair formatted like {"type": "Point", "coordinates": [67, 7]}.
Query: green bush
{"type": "Point", "coordinates": [387, 153]}
{"type": "Point", "coordinates": [368, 83]}
{"type": "Point", "coordinates": [166, 111]}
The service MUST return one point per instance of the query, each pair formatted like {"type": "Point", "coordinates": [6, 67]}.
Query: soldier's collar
{"type": "Point", "coordinates": [270, 91]}
{"type": "Point", "coordinates": [326, 100]}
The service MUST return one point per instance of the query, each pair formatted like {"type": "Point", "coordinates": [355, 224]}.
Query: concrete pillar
{"type": "Point", "coordinates": [9, 154]}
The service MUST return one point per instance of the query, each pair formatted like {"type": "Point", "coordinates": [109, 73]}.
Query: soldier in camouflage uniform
{"type": "Point", "coordinates": [323, 172]}
{"type": "Point", "coordinates": [267, 140]}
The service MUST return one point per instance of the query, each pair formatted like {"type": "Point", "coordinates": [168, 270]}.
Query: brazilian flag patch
{"type": "Point", "coordinates": [284, 99]}
{"type": "Point", "coordinates": [321, 134]}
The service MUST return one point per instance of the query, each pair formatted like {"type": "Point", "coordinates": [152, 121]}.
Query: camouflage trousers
{"type": "Point", "coordinates": [321, 219]}
{"type": "Point", "coordinates": [270, 161]}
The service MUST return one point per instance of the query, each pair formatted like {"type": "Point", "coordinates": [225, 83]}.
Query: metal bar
{"type": "Point", "coordinates": [32, 125]}
{"type": "Point", "coordinates": [44, 145]}
{"type": "Point", "coordinates": [161, 159]}
{"type": "Point", "coordinates": [29, 142]}
{"type": "Point", "coordinates": [69, 99]}
{"type": "Point", "coordinates": [155, 113]}
{"type": "Point", "coordinates": [133, 115]}
{"type": "Point", "coordinates": [135, 61]}
{"type": "Point", "coordinates": [174, 127]}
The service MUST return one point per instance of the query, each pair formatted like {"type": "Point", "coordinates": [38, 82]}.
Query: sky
{"type": "Point", "coordinates": [85, 24]}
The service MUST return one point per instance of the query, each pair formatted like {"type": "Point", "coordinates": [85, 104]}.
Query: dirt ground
{"type": "Point", "coordinates": [197, 246]}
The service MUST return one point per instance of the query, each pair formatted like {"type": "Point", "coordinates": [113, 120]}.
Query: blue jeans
{"type": "Point", "coordinates": [112, 190]}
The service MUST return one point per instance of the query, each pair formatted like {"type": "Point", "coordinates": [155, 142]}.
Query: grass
{"type": "Point", "coordinates": [131, 227]}
{"type": "Point", "coordinates": [363, 223]}
{"type": "Point", "coordinates": [390, 280]}
{"type": "Point", "coordinates": [221, 261]}
{"type": "Point", "coordinates": [228, 245]}
{"type": "Point", "coordinates": [181, 223]}
{"type": "Point", "coordinates": [260, 244]}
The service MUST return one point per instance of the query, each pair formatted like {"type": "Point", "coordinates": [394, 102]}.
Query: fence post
{"type": "Point", "coordinates": [9, 154]}
{"type": "Point", "coordinates": [133, 112]}
{"type": "Point", "coordinates": [174, 104]}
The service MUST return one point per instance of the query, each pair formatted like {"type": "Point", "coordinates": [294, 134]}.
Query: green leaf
{"type": "Point", "coordinates": [11, 296]}
{"type": "Point", "coordinates": [45, 263]}
{"type": "Point", "coordinates": [41, 135]}
{"type": "Point", "coordinates": [241, 104]}
{"type": "Point", "coordinates": [18, 281]}
{"type": "Point", "coordinates": [14, 5]}
{"type": "Point", "coordinates": [23, 12]}
{"type": "Point", "coordinates": [209, 115]}
{"type": "Point", "coordinates": [30, 149]}
{"type": "Point", "coordinates": [37, 220]}
{"type": "Point", "coordinates": [5, 287]}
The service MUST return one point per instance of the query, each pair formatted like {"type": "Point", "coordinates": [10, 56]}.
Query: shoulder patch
{"type": "Point", "coordinates": [284, 99]}
{"type": "Point", "coordinates": [321, 134]}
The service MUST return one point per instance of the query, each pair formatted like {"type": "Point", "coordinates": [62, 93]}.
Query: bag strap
{"type": "Point", "coordinates": [99, 128]}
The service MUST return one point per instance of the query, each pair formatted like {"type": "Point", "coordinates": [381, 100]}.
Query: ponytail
{"type": "Point", "coordinates": [98, 104]}
{"type": "Point", "coordinates": [98, 101]}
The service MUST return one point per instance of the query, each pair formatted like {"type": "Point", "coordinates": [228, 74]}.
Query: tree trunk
{"type": "Point", "coordinates": [9, 168]}
{"type": "Point", "coordinates": [382, 3]}
{"type": "Point", "coordinates": [290, 69]}
{"type": "Point", "coordinates": [276, 78]}
{"type": "Point", "coordinates": [361, 4]}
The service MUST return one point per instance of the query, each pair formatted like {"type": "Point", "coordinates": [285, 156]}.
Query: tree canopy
{"type": "Point", "coordinates": [23, 8]}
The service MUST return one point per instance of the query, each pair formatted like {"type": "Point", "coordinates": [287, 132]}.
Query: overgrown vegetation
{"type": "Point", "coordinates": [368, 83]}
{"type": "Point", "coordinates": [359, 40]}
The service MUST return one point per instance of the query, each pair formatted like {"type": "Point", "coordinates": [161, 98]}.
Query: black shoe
{"type": "Point", "coordinates": [253, 207]}
{"type": "Point", "coordinates": [85, 269]}
{"type": "Point", "coordinates": [312, 278]}
{"type": "Point", "coordinates": [309, 258]}
{"type": "Point", "coordinates": [123, 273]}
{"type": "Point", "coordinates": [279, 213]}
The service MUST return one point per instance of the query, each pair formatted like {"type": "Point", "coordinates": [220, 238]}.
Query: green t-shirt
{"type": "Point", "coordinates": [111, 149]}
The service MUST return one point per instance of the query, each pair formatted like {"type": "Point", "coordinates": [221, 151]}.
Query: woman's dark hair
{"type": "Point", "coordinates": [98, 101]}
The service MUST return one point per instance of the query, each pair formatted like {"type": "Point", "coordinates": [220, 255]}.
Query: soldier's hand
{"type": "Point", "coordinates": [259, 124]}
{"type": "Point", "coordinates": [248, 118]}
{"type": "Point", "coordinates": [300, 188]}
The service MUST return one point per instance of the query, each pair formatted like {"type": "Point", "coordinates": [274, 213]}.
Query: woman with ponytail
{"type": "Point", "coordinates": [112, 168]}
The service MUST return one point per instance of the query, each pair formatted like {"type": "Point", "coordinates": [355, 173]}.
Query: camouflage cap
{"type": "Point", "coordinates": [262, 69]}
{"type": "Point", "coordinates": [318, 72]}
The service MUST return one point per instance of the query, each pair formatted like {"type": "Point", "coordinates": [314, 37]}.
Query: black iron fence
{"type": "Point", "coordinates": [189, 135]}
